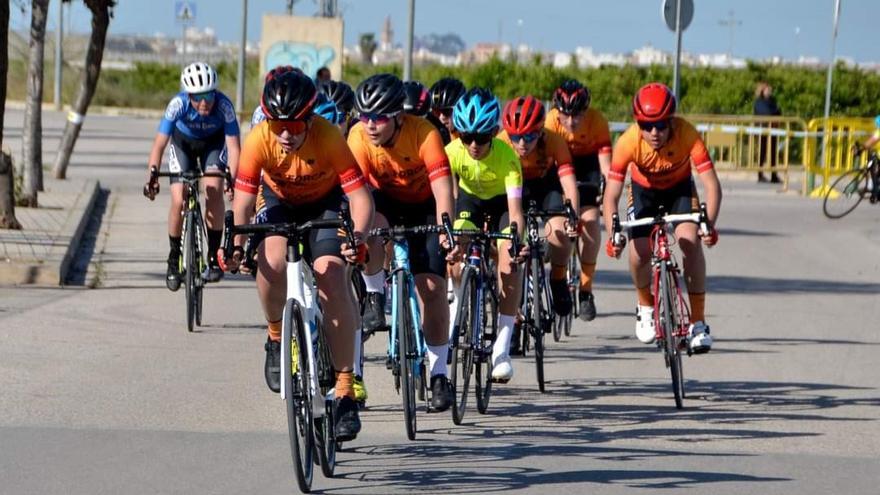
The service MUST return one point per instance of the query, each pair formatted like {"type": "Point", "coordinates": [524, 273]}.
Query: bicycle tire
{"type": "Point", "coordinates": [463, 355]}
{"type": "Point", "coordinates": [200, 283]}
{"type": "Point", "coordinates": [325, 431]}
{"type": "Point", "coordinates": [298, 400]}
{"type": "Point", "coordinates": [189, 265]}
{"type": "Point", "coordinates": [407, 357]}
{"type": "Point", "coordinates": [845, 193]}
{"type": "Point", "coordinates": [669, 319]}
{"type": "Point", "coordinates": [537, 323]}
{"type": "Point", "coordinates": [483, 355]}
{"type": "Point", "coordinates": [574, 271]}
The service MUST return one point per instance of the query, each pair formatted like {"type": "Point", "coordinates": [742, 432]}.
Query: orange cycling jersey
{"type": "Point", "coordinates": [550, 150]}
{"type": "Point", "coordinates": [663, 168]}
{"type": "Point", "coordinates": [406, 169]}
{"type": "Point", "coordinates": [590, 137]}
{"type": "Point", "coordinates": [302, 176]}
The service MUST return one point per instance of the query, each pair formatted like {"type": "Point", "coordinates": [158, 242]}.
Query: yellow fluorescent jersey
{"type": "Point", "coordinates": [498, 173]}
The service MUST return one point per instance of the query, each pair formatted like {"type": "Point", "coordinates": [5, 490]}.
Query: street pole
{"type": "Point", "coordinates": [408, 56]}
{"type": "Point", "coordinates": [676, 70]}
{"type": "Point", "coordinates": [59, 38]}
{"type": "Point", "coordinates": [239, 87]}
{"type": "Point", "coordinates": [826, 131]}
{"type": "Point", "coordinates": [183, 46]}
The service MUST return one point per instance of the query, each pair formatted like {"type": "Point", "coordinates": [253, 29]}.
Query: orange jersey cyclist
{"type": "Point", "coordinates": [402, 157]}
{"type": "Point", "coordinates": [659, 151]}
{"type": "Point", "coordinates": [547, 174]}
{"type": "Point", "coordinates": [586, 132]}
{"type": "Point", "coordinates": [304, 167]}
{"type": "Point", "coordinates": [489, 178]}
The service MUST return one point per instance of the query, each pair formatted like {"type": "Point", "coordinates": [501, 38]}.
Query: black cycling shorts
{"type": "Point", "coordinates": [644, 202]}
{"type": "Point", "coordinates": [425, 255]}
{"type": "Point", "coordinates": [472, 212]}
{"type": "Point", "coordinates": [186, 153]}
{"type": "Point", "coordinates": [546, 192]}
{"type": "Point", "coordinates": [589, 179]}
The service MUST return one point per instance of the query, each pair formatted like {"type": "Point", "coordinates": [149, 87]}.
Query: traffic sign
{"type": "Point", "coordinates": [185, 11]}
{"type": "Point", "coordinates": [687, 13]}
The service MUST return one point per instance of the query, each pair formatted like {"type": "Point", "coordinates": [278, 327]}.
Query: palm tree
{"type": "Point", "coordinates": [102, 11]}
{"type": "Point", "coordinates": [32, 142]}
{"type": "Point", "coordinates": [7, 185]}
{"type": "Point", "coordinates": [368, 47]}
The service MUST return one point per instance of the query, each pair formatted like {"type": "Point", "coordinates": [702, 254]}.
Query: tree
{"type": "Point", "coordinates": [102, 11]}
{"type": "Point", "coordinates": [368, 46]}
{"type": "Point", "coordinates": [32, 142]}
{"type": "Point", "coordinates": [7, 184]}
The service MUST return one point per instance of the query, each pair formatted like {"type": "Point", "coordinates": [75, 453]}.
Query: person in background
{"type": "Point", "coordinates": [765, 105]}
{"type": "Point", "coordinates": [322, 75]}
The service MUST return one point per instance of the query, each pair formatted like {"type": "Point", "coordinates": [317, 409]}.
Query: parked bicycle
{"type": "Point", "coordinates": [848, 190]}
{"type": "Point", "coordinates": [671, 311]}
{"type": "Point", "coordinates": [307, 373]}
{"type": "Point", "coordinates": [193, 240]}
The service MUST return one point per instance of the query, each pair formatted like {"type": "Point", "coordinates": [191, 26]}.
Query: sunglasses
{"type": "Point", "coordinates": [378, 118]}
{"type": "Point", "coordinates": [206, 96]}
{"type": "Point", "coordinates": [660, 125]}
{"type": "Point", "coordinates": [526, 138]}
{"type": "Point", "coordinates": [480, 139]}
{"type": "Point", "coordinates": [291, 126]}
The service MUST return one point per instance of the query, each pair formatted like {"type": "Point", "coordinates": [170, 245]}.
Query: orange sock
{"type": "Point", "coordinates": [698, 306]}
{"type": "Point", "coordinates": [645, 297]}
{"type": "Point", "coordinates": [587, 271]}
{"type": "Point", "coordinates": [345, 384]}
{"type": "Point", "coordinates": [557, 272]}
{"type": "Point", "coordinates": [275, 330]}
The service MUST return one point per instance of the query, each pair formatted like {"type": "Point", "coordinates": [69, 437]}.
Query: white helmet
{"type": "Point", "coordinates": [198, 77]}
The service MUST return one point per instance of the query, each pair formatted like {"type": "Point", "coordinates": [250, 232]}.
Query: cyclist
{"type": "Point", "coordinates": [201, 125]}
{"type": "Point", "coordinates": [403, 159]}
{"type": "Point", "coordinates": [444, 94]}
{"type": "Point", "coordinates": [343, 96]}
{"type": "Point", "coordinates": [589, 140]}
{"type": "Point", "coordinates": [870, 143]}
{"type": "Point", "coordinates": [303, 166]}
{"type": "Point", "coordinates": [489, 178]}
{"type": "Point", "coordinates": [539, 151]}
{"type": "Point", "coordinates": [418, 103]}
{"type": "Point", "coordinates": [659, 150]}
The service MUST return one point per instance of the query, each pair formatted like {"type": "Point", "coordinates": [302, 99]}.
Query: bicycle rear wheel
{"type": "Point", "coordinates": [407, 356]}
{"type": "Point", "coordinates": [296, 373]}
{"type": "Point", "coordinates": [483, 354]}
{"type": "Point", "coordinates": [463, 355]}
{"type": "Point", "coordinates": [537, 288]}
{"type": "Point", "coordinates": [190, 265]}
{"type": "Point", "coordinates": [670, 319]}
{"type": "Point", "coordinates": [845, 193]}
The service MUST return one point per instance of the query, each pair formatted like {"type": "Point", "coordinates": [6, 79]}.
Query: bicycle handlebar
{"type": "Point", "coordinates": [701, 218]}
{"type": "Point", "coordinates": [512, 236]}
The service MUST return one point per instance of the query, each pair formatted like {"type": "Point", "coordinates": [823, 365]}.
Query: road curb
{"type": "Point", "coordinates": [90, 192]}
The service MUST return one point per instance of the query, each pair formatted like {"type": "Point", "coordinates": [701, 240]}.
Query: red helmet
{"type": "Point", "coordinates": [523, 115]}
{"type": "Point", "coordinates": [571, 97]}
{"type": "Point", "coordinates": [653, 102]}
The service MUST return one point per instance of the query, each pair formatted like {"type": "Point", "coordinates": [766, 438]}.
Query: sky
{"type": "Point", "coordinates": [764, 28]}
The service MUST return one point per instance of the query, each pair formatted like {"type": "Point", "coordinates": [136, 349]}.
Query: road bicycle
{"type": "Point", "coordinates": [407, 348]}
{"type": "Point", "coordinates": [193, 241]}
{"type": "Point", "coordinates": [476, 322]}
{"type": "Point", "coordinates": [848, 190]}
{"type": "Point", "coordinates": [538, 316]}
{"type": "Point", "coordinates": [671, 311]}
{"type": "Point", "coordinates": [307, 374]}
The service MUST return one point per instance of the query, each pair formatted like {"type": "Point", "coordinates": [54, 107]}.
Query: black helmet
{"type": "Point", "coordinates": [341, 94]}
{"type": "Point", "coordinates": [379, 94]}
{"type": "Point", "coordinates": [416, 101]}
{"type": "Point", "coordinates": [289, 96]}
{"type": "Point", "coordinates": [571, 97]}
{"type": "Point", "coordinates": [446, 92]}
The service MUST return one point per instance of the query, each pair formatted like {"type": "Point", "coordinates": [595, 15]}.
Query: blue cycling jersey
{"type": "Point", "coordinates": [181, 115]}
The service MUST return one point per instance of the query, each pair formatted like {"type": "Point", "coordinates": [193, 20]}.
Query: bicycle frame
{"type": "Point", "coordinates": [400, 263]}
{"type": "Point", "coordinates": [661, 254]}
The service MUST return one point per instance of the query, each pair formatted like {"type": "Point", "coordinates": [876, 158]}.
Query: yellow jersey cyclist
{"type": "Point", "coordinates": [201, 125]}
{"type": "Point", "coordinates": [490, 184]}
{"type": "Point", "coordinates": [586, 132]}
{"type": "Point", "coordinates": [403, 159]}
{"type": "Point", "coordinates": [445, 93]}
{"type": "Point", "coordinates": [304, 168]}
{"type": "Point", "coordinates": [547, 176]}
{"type": "Point", "coordinates": [659, 151]}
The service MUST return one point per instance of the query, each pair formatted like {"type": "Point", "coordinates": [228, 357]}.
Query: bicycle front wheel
{"type": "Point", "coordinates": [538, 288]}
{"type": "Point", "coordinates": [190, 265]}
{"type": "Point", "coordinates": [325, 431]}
{"type": "Point", "coordinates": [670, 319]}
{"type": "Point", "coordinates": [407, 356]}
{"type": "Point", "coordinates": [296, 373]}
{"type": "Point", "coordinates": [463, 355]}
{"type": "Point", "coordinates": [199, 257]}
{"type": "Point", "coordinates": [483, 353]}
{"type": "Point", "coordinates": [845, 193]}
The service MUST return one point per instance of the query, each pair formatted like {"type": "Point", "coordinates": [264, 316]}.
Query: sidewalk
{"type": "Point", "coordinates": [42, 251]}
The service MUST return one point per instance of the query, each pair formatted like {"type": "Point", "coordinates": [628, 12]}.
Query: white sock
{"type": "Point", "coordinates": [358, 349]}
{"type": "Point", "coordinates": [437, 359]}
{"type": "Point", "coordinates": [505, 332]}
{"type": "Point", "coordinates": [375, 282]}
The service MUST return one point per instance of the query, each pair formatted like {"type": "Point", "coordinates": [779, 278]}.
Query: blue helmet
{"type": "Point", "coordinates": [877, 121]}
{"type": "Point", "coordinates": [477, 112]}
{"type": "Point", "coordinates": [325, 107]}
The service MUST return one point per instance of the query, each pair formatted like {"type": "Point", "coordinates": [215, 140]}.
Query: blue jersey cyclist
{"type": "Point", "coordinates": [202, 128]}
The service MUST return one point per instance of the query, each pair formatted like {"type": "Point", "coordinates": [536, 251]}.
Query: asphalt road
{"type": "Point", "coordinates": [103, 391]}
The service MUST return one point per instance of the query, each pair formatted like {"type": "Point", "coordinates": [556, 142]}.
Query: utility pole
{"type": "Point", "coordinates": [408, 56]}
{"type": "Point", "coordinates": [59, 39]}
{"type": "Point", "coordinates": [732, 23]}
{"type": "Point", "coordinates": [242, 54]}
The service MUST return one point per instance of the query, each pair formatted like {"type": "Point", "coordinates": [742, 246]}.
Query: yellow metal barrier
{"type": "Point", "coordinates": [837, 135]}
